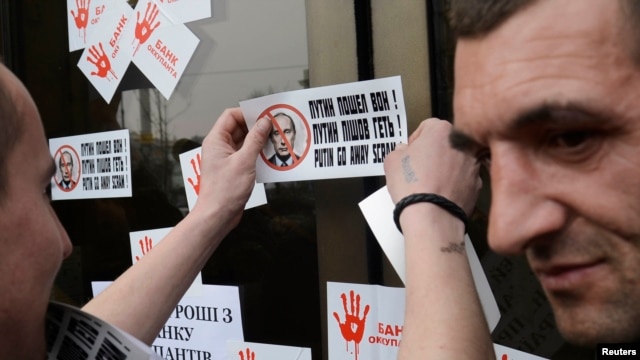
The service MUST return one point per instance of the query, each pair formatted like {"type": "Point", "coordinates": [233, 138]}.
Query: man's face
{"type": "Point", "coordinates": [284, 137]}
{"type": "Point", "coordinates": [551, 95]}
{"type": "Point", "coordinates": [33, 242]}
{"type": "Point", "coordinates": [66, 166]}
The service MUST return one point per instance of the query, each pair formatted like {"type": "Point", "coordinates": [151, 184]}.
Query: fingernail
{"type": "Point", "coordinates": [263, 124]}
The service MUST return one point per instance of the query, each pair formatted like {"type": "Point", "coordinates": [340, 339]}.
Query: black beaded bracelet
{"type": "Point", "coordinates": [436, 199]}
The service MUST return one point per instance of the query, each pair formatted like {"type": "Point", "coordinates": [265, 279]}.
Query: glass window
{"type": "Point", "coordinates": [247, 49]}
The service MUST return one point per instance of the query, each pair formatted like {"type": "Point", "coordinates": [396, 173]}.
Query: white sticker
{"type": "Point", "coordinates": [239, 350]}
{"type": "Point", "coordinates": [143, 241]}
{"type": "Point", "coordinates": [329, 132]}
{"type": "Point", "coordinates": [190, 165]}
{"type": "Point", "coordinates": [378, 212]}
{"type": "Point", "coordinates": [183, 11]}
{"type": "Point", "coordinates": [108, 53]}
{"type": "Point", "coordinates": [91, 166]}
{"type": "Point", "coordinates": [198, 327]}
{"type": "Point", "coordinates": [162, 49]}
{"type": "Point", "coordinates": [364, 321]}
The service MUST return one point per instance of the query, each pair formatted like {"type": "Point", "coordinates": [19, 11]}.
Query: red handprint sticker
{"type": "Point", "coordinates": [196, 169]}
{"type": "Point", "coordinates": [505, 357]}
{"type": "Point", "coordinates": [250, 355]}
{"type": "Point", "coordinates": [144, 29]}
{"type": "Point", "coordinates": [146, 245]}
{"type": "Point", "coordinates": [353, 327]}
{"type": "Point", "coordinates": [82, 18]}
{"type": "Point", "coordinates": [101, 61]}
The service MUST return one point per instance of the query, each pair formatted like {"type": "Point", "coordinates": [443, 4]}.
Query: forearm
{"type": "Point", "coordinates": [143, 297]}
{"type": "Point", "coordinates": [443, 315]}
{"type": "Point", "coordinates": [141, 300]}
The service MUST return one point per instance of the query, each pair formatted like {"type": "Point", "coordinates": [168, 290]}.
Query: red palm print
{"type": "Point", "coordinates": [82, 18]}
{"type": "Point", "coordinates": [101, 61]}
{"type": "Point", "coordinates": [250, 355]}
{"type": "Point", "coordinates": [145, 246]}
{"type": "Point", "coordinates": [353, 327]}
{"type": "Point", "coordinates": [143, 27]}
{"type": "Point", "coordinates": [196, 169]}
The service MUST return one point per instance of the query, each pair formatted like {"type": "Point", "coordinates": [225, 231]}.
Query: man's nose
{"type": "Point", "coordinates": [521, 209]}
{"type": "Point", "coordinates": [67, 247]}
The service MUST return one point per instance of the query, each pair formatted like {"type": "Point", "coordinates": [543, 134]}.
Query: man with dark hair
{"type": "Point", "coordinates": [33, 243]}
{"type": "Point", "coordinates": [546, 98]}
{"type": "Point", "coordinates": [283, 138]}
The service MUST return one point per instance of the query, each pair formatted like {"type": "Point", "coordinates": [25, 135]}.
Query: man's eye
{"type": "Point", "coordinates": [570, 139]}
{"type": "Point", "coordinates": [574, 146]}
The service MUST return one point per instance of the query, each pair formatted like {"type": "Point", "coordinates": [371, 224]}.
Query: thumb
{"type": "Point", "coordinates": [257, 137]}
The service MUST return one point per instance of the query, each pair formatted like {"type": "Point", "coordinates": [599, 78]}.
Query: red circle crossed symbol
{"type": "Point", "coordinates": [67, 167]}
{"type": "Point", "coordinates": [269, 113]}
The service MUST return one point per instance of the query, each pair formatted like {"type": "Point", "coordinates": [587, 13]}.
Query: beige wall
{"type": "Point", "coordinates": [400, 48]}
{"type": "Point", "coordinates": [332, 60]}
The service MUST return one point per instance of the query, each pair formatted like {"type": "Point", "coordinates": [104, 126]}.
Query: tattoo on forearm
{"type": "Point", "coordinates": [409, 175]}
{"type": "Point", "coordinates": [453, 248]}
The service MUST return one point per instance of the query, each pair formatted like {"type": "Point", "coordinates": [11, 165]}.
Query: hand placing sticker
{"type": "Point", "coordinates": [353, 327]}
